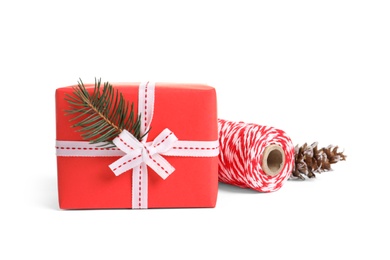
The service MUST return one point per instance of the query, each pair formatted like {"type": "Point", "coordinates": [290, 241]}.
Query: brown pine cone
{"type": "Point", "coordinates": [310, 160]}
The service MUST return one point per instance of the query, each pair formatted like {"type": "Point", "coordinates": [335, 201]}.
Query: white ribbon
{"type": "Point", "coordinates": [180, 148]}
{"type": "Point", "coordinates": [140, 175]}
{"type": "Point", "coordinates": [149, 153]}
{"type": "Point", "coordinates": [138, 155]}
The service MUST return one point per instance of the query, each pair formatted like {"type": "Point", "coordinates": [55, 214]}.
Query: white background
{"type": "Point", "coordinates": [316, 69]}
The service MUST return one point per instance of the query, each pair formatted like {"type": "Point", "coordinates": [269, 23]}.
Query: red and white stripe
{"type": "Point", "coordinates": [241, 150]}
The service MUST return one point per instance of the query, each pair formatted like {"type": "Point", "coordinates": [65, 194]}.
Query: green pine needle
{"type": "Point", "coordinates": [102, 115]}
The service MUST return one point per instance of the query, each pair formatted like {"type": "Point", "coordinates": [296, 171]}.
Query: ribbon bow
{"type": "Point", "coordinates": [149, 153]}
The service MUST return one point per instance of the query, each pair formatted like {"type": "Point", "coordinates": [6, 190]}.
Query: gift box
{"type": "Point", "coordinates": [87, 177]}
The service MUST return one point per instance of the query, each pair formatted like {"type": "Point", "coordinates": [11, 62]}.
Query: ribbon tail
{"type": "Point", "coordinates": [126, 163]}
{"type": "Point", "coordinates": [161, 166]}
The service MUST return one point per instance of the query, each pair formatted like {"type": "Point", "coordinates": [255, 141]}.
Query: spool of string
{"type": "Point", "coordinates": [254, 156]}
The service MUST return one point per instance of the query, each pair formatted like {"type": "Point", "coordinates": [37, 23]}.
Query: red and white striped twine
{"type": "Point", "coordinates": [241, 151]}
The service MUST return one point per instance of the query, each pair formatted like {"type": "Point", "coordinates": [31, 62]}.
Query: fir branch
{"type": "Point", "coordinates": [102, 115]}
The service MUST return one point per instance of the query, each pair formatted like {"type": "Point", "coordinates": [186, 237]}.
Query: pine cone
{"type": "Point", "coordinates": [310, 160]}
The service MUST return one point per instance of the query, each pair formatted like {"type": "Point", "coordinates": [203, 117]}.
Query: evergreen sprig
{"type": "Point", "coordinates": [103, 114]}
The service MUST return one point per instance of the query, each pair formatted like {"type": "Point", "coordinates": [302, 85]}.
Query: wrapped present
{"type": "Point", "coordinates": [172, 163]}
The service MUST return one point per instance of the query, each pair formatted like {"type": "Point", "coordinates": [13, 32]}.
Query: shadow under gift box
{"type": "Point", "coordinates": [188, 110]}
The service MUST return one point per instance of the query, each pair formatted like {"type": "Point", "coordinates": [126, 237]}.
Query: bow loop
{"type": "Point", "coordinates": [164, 141]}
{"type": "Point", "coordinates": [127, 142]}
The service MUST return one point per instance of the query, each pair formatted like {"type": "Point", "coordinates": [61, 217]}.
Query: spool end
{"type": "Point", "coordinates": [273, 160]}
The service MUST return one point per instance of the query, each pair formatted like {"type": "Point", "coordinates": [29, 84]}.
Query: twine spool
{"type": "Point", "coordinates": [254, 156]}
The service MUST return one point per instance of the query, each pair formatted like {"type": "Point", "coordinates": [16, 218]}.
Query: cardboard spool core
{"type": "Point", "coordinates": [273, 160]}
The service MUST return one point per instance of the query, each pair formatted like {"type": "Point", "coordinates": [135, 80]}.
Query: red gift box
{"type": "Point", "coordinates": [188, 110]}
